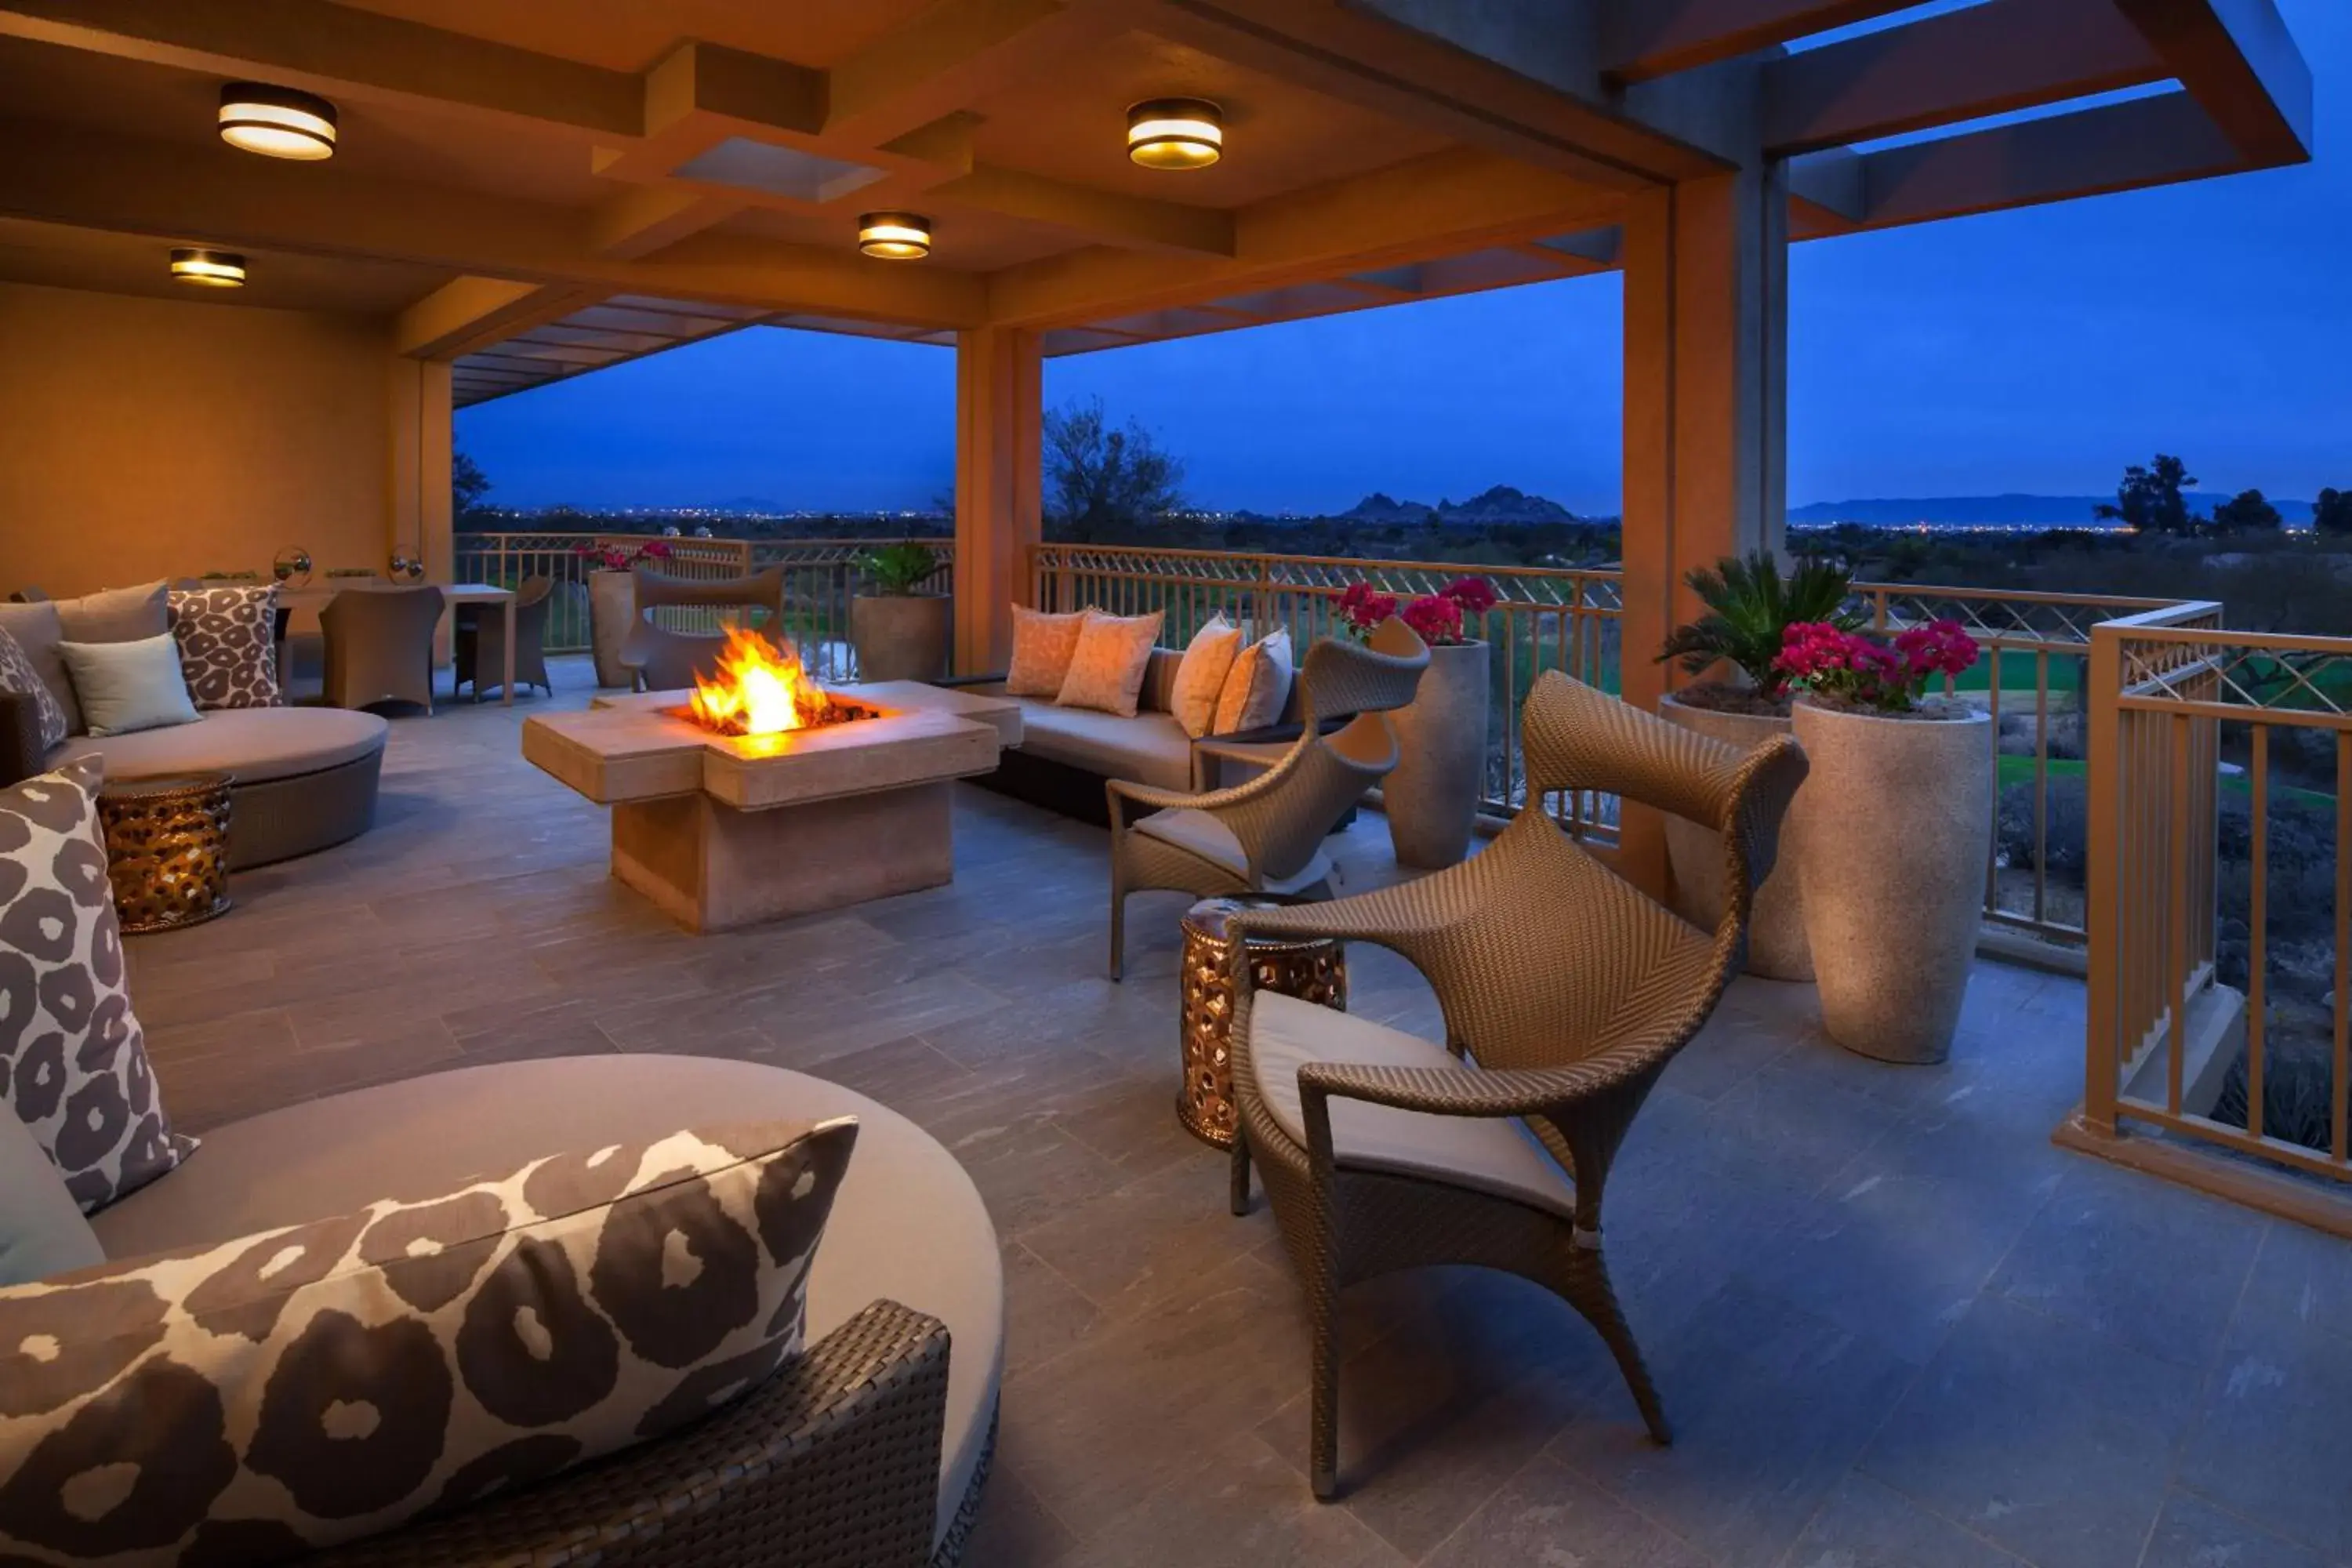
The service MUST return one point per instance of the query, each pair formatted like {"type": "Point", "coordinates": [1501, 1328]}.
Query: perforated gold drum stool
{"type": "Point", "coordinates": [167, 849]}
{"type": "Point", "coordinates": [1315, 970]}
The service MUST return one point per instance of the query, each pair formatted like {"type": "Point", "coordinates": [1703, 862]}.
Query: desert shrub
{"type": "Point", "coordinates": [2067, 823]}
{"type": "Point", "coordinates": [2296, 1099]}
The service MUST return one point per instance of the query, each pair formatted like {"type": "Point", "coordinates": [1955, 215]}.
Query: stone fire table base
{"type": "Point", "coordinates": [726, 831]}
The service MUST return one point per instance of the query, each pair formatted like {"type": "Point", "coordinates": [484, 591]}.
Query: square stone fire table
{"type": "Point", "coordinates": [722, 831]}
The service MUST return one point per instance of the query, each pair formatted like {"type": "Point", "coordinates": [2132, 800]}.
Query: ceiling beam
{"type": "Point", "coordinates": [345, 53]}
{"type": "Point", "coordinates": [1992, 58]}
{"type": "Point", "coordinates": [2118, 147]}
{"type": "Point", "coordinates": [953, 55]}
{"type": "Point", "coordinates": [1099, 216]}
{"type": "Point", "coordinates": [1416, 211]}
{"type": "Point", "coordinates": [642, 219]}
{"type": "Point", "coordinates": [2239, 60]}
{"type": "Point", "coordinates": [471, 313]}
{"type": "Point", "coordinates": [207, 193]}
{"type": "Point", "coordinates": [1641, 39]}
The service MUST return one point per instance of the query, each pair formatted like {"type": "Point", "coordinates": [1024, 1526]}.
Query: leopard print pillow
{"type": "Point", "coordinates": [18, 676]}
{"type": "Point", "coordinates": [254, 1400]}
{"type": "Point", "coordinates": [73, 1060]}
{"type": "Point", "coordinates": [228, 645]}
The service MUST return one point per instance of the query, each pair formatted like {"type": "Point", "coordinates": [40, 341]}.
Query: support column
{"type": "Point", "coordinates": [999, 448]}
{"type": "Point", "coordinates": [1705, 267]}
{"type": "Point", "coordinates": [418, 519]}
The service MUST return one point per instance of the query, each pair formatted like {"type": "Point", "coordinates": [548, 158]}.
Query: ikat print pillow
{"type": "Point", "coordinates": [228, 645]}
{"type": "Point", "coordinates": [254, 1400]}
{"type": "Point", "coordinates": [18, 677]}
{"type": "Point", "coordinates": [73, 1061]}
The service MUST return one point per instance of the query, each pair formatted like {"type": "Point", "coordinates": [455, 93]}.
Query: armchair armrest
{"type": "Point", "coordinates": [22, 755]}
{"type": "Point", "coordinates": [835, 1459]}
{"type": "Point", "coordinates": [1465, 1090]}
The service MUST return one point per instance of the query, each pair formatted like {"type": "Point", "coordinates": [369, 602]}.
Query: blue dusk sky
{"type": "Point", "coordinates": [2036, 351]}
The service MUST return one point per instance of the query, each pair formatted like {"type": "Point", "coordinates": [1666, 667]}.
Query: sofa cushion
{"type": "Point", "coordinates": [907, 1223]}
{"type": "Point", "coordinates": [1487, 1155]}
{"type": "Point", "coordinates": [1150, 748]}
{"type": "Point", "coordinates": [1258, 688]}
{"type": "Point", "coordinates": [127, 687]}
{"type": "Point", "coordinates": [116, 614]}
{"type": "Point", "coordinates": [1107, 668]}
{"type": "Point", "coordinates": [1042, 646]}
{"type": "Point", "coordinates": [1213, 841]}
{"type": "Point", "coordinates": [42, 1231]}
{"type": "Point", "coordinates": [331, 1379]}
{"type": "Point", "coordinates": [1200, 675]}
{"type": "Point", "coordinates": [254, 744]}
{"type": "Point", "coordinates": [228, 645]}
{"type": "Point", "coordinates": [18, 677]}
{"type": "Point", "coordinates": [38, 632]}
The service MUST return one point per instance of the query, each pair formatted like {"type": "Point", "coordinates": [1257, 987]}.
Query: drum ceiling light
{"type": "Point", "coordinates": [894, 236]}
{"type": "Point", "coordinates": [1175, 133]}
{"type": "Point", "coordinates": [276, 121]}
{"type": "Point", "coordinates": [209, 268]}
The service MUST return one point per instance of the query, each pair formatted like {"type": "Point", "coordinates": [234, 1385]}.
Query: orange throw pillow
{"type": "Point", "coordinates": [1200, 675]}
{"type": "Point", "coordinates": [1106, 671]}
{"type": "Point", "coordinates": [1259, 688]}
{"type": "Point", "coordinates": [1042, 646]}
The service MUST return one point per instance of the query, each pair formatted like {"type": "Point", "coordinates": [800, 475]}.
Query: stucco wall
{"type": "Point", "coordinates": [143, 438]}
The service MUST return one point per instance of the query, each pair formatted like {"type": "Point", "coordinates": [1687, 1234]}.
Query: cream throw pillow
{"type": "Point", "coordinates": [1258, 687]}
{"type": "Point", "coordinates": [1113, 653]}
{"type": "Point", "coordinates": [1042, 646]}
{"type": "Point", "coordinates": [1200, 675]}
{"type": "Point", "coordinates": [127, 686]}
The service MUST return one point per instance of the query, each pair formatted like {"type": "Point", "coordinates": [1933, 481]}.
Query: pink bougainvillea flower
{"type": "Point", "coordinates": [1475, 595]}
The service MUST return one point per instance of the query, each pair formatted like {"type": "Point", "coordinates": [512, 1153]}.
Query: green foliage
{"type": "Point", "coordinates": [2247, 512]}
{"type": "Point", "coordinates": [1750, 606]}
{"type": "Point", "coordinates": [2332, 512]}
{"type": "Point", "coordinates": [2151, 499]}
{"type": "Point", "coordinates": [1098, 479]}
{"type": "Point", "coordinates": [467, 484]}
{"type": "Point", "coordinates": [899, 569]}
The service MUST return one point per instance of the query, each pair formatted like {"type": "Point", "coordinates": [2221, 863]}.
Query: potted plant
{"type": "Point", "coordinates": [613, 600]}
{"type": "Point", "coordinates": [1891, 834]}
{"type": "Point", "coordinates": [899, 631]}
{"type": "Point", "coordinates": [1432, 798]}
{"type": "Point", "coordinates": [1749, 608]}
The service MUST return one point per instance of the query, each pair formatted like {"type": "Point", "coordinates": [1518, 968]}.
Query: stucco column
{"type": "Point", "coordinates": [418, 515]}
{"type": "Point", "coordinates": [999, 408]}
{"type": "Point", "coordinates": [1706, 267]}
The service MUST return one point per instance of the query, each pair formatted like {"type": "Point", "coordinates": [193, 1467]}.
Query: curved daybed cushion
{"type": "Point", "coordinates": [255, 744]}
{"type": "Point", "coordinates": [907, 1223]}
{"type": "Point", "coordinates": [1150, 748]}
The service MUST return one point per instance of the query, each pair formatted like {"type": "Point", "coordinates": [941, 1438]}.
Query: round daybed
{"type": "Point", "coordinates": [305, 777]}
{"type": "Point", "coordinates": [908, 1227]}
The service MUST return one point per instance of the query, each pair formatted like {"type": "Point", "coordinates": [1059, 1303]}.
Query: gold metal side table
{"type": "Point", "coordinates": [167, 849]}
{"type": "Point", "coordinates": [1313, 970]}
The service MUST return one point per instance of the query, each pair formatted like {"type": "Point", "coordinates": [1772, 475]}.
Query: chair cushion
{"type": "Point", "coordinates": [1150, 748]}
{"type": "Point", "coordinates": [1108, 667]}
{"type": "Point", "coordinates": [1485, 1154]}
{"type": "Point", "coordinates": [228, 645]}
{"type": "Point", "coordinates": [77, 1075]}
{"type": "Point", "coordinates": [907, 1223]}
{"type": "Point", "coordinates": [1213, 841]}
{"type": "Point", "coordinates": [42, 1232]}
{"type": "Point", "coordinates": [18, 677]}
{"type": "Point", "coordinates": [1257, 687]}
{"type": "Point", "coordinates": [126, 687]}
{"type": "Point", "coordinates": [253, 744]}
{"type": "Point", "coordinates": [332, 1379]}
{"type": "Point", "coordinates": [1041, 648]}
{"type": "Point", "coordinates": [1200, 678]}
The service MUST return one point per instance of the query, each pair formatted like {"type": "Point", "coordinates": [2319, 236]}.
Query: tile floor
{"type": "Point", "coordinates": [1893, 1326]}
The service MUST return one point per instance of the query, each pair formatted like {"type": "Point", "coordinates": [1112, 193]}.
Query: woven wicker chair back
{"type": "Point", "coordinates": [666, 660]}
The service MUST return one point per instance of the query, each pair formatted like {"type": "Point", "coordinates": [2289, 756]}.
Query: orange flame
{"type": "Point", "coordinates": [761, 690]}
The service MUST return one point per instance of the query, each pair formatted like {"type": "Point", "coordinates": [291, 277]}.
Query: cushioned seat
{"type": "Point", "coordinates": [256, 744]}
{"type": "Point", "coordinates": [1489, 1154]}
{"type": "Point", "coordinates": [1151, 748]}
{"type": "Point", "coordinates": [1211, 839]}
{"type": "Point", "coordinates": [907, 1225]}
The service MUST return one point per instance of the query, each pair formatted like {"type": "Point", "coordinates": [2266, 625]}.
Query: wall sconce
{"type": "Point", "coordinates": [407, 566]}
{"type": "Point", "coordinates": [292, 567]}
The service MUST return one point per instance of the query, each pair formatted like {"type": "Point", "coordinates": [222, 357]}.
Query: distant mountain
{"type": "Point", "coordinates": [2000, 511]}
{"type": "Point", "coordinates": [1502, 504]}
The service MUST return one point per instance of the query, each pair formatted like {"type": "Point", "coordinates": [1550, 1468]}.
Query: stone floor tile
{"type": "Point", "coordinates": [2272, 1440]}
{"type": "Point", "coordinates": [1865, 1525]}
{"type": "Point", "coordinates": [2192, 1533]}
{"type": "Point", "coordinates": [1548, 1516]}
{"type": "Point", "coordinates": [1135, 1245]}
{"type": "Point", "coordinates": [1240, 1509]}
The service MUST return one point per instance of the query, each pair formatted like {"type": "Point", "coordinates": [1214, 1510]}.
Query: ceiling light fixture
{"type": "Point", "coordinates": [894, 236]}
{"type": "Point", "coordinates": [209, 268]}
{"type": "Point", "coordinates": [276, 121]}
{"type": "Point", "coordinates": [1175, 133]}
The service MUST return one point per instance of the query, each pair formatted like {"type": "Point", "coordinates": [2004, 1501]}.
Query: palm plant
{"type": "Point", "coordinates": [1750, 607]}
{"type": "Point", "coordinates": [900, 569]}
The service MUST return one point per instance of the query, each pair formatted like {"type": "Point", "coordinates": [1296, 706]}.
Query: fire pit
{"type": "Point", "coordinates": [761, 794]}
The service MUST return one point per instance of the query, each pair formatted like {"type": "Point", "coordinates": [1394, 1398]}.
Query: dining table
{"type": "Point", "coordinates": [307, 601]}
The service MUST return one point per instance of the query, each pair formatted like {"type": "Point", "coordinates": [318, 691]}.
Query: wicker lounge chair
{"type": "Point", "coordinates": [1565, 993]}
{"type": "Point", "coordinates": [481, 640]}
{"type": "Point", "coordinates": [667, 660]}
{"type": "Point", "coordinates": [379, 646]}
{"type": "Point", "coordinates": [1266, 835]}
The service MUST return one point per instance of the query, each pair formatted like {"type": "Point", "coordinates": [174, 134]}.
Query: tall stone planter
{"type": "Point", "coordinates": [612, 605]}
{"type": "Point", "coordinates": [1432, 798]}
{"type": "Point", "coordinates": [1889, 837]}
{"type": "Point", "coordinates": [900, 637]}
{"type": "Point", "coordinates": [1777, 949]}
